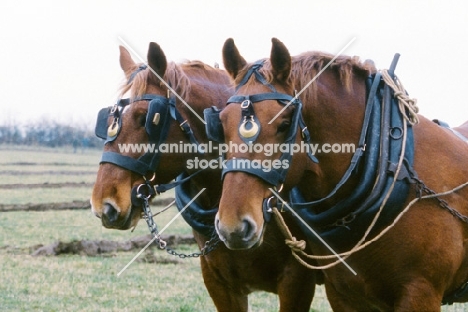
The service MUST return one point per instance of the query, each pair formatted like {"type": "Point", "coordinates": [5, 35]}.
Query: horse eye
{"type": "Point", "coordinates": [283, 127]}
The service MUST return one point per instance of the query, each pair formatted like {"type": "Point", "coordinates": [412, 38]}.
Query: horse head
{"type": "Point", "coordinates": [135, 128]}
{"type": "Point", "coordinates": [260, 121]}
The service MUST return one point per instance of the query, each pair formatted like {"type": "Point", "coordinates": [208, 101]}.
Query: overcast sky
{"type": "Point", "coordinates": [59, 59]}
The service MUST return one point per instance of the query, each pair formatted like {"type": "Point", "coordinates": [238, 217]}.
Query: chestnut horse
{"type": "Point", "coordinates": [229, 275]}
{"type": "Point", "coordinates": [382, 202]}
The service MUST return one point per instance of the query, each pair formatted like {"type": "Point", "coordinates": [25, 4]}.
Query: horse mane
{"type": "Point", "coordinates": [306, 66]}
{"type": "Point", "coordinates": [178, 76]}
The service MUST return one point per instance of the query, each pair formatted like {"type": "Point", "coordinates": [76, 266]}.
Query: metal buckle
{"type": "Point", "coordinates": [114, 108]}
{"type": "Point", "coordinates": [245, 104]}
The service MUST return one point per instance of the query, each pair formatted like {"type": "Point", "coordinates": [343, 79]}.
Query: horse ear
{"type": "Point", "coordinates": [233, 61]}
{"type": "Point", "coordinates": [280, 60]}
{"type": "Point", "coordinates": [126, 62]}
{"type": "Point", "coordinates": [157, 59]}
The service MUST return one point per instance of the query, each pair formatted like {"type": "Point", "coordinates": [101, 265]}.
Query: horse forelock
{"type": "Point", "coordinates": [174, 76]}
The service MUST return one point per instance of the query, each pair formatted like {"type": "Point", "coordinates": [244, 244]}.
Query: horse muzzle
{"type": "Point", "coordinates": [112, 217]}
{"type": "Point", "coordinates": [244, 235]}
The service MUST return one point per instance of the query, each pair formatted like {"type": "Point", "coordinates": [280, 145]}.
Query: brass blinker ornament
{"type": "Point", "coordinates": [249, 127]}
{"type": "Point", "coordinates": [113, 128]}
{"type": "Point", "coordinates": [253, 130]}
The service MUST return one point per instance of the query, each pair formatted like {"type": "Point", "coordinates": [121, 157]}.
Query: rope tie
{"type": "Point", "coordinates": [408, 106]}
{"type": "Point", "coordinates": [295, 245]}
{"type": "Point", "coordinates": [361, 245]}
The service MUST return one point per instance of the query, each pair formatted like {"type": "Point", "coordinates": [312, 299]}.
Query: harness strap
{"type": "Point", "coordinates": [183, 124]}
{"type": "Point", "coordinates": [254, 70]}
{"type": "Point", "coordinates": [357, 154]}
{"type": "Point", "coordinates": [144, 97]}
{"type": "Point", "coordinates": [132, 76]}
{"type": "Point", "coordinates": [123, 102]}
{"type": "Point", "coordinates": [455, 296]}
{"type": "Point", "coordinates": [199, 217]}
{"type": "Point", "coordinates": [268, 175]}
{"type": "Point", "coordinates": [161, 188]}
{"type": "Point", "coordinates": [126, 162]}
{"type": "Point", "coordinates": [260, 97]}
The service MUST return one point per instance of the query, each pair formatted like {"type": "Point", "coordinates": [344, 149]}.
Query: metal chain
{"type": "Point", "coordinates": [443, 203]}
{"type": "Point", "coordinates": [209, 247]}
{"type": "Point", "coordinates": [148, 216]}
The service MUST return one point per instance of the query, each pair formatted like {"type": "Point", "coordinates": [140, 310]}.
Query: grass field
{"type": "Point", "coordinates": [81, 283]}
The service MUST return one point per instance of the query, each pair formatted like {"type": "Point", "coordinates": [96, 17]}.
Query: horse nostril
{"type": "Point", "coordinates": [110, 213]}
{"type": "Point", "coordinates": [248, 229]}
{"type": "Point", "coordinates": [218, 230]}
